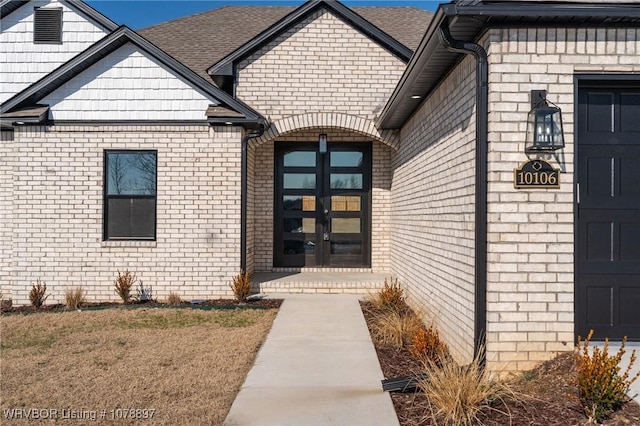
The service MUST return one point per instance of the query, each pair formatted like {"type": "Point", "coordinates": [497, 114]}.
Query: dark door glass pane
{"type": "Point", "coordinates": [299, 247]}
{"type": "Point", "coordinates": [346, 247]}
{"type": "Point", "coordinates": [299, 181]}
{"type": "Point", "coordinates": [306, 203]}
{"type": "Point", "coordinates": [300, 159]}
{"type": "Point", "coordinates": [346, 181]}
{"type": "Point", "coordinates": [131, 173]}
{"type": "Point", "coordinates": [346, 159]}
{"type": "Point", "coordinates": [299, 225]}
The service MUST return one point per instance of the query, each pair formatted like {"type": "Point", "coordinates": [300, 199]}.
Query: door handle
{"type": "Point", "coordinates": [325, 236]}
{"type": "Point", "coordinates": [326, 212]}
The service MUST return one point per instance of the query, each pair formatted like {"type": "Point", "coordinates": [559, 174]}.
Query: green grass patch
{"type": "Point", "coordinates": [236, 319]}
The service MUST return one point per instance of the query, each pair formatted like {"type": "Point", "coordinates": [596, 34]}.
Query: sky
{"type": "Point", "coordinates": [138, 14]}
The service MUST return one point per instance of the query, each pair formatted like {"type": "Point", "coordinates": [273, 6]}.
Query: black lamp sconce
{"type": "Point", "coordinates": [544, 127]}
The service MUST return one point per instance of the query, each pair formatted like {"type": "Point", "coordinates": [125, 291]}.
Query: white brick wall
{"type": "Point", "coordinates": [531, 262]}
{"type": "Point", "coordinates": [6, 212]}
{"type": "Point", "coordinates": [18, 52]}
{"type": "Point", "coordinates": [127, 85]}
{"type": "Point", "coordinates": [432, 209]}
{"type": "Point", "coordinates": [320, 64]}
{"type": "Point", "coordinates": [57, 214]}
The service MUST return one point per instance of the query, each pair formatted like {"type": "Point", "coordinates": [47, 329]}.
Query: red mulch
{"type": "Point", "coordinates": [549, 394]}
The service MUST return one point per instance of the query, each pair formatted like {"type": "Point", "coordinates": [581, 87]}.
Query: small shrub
{"type": "Point", "coordinates": [459, 394]}
{"type": "Point", "coordinates": [174, 299]}
{"type": "Point", "coordinates": [426, 344]}
{"type": "Point", "coordinates": [144, 294]}
{"type": "Point", "coordinates": [38, 294]}
{"type": "Point", "coordinates": [395, 329]}
{"type": "Point", "coordinates": [74, 298]}
{"type": "Point", "coordinates": [602, 389]}
{"type": "Point", "coordinates": [391, 296]}
{"type": "Point", "coordinates": [241, 286]}
{"type": "Point", "coordinates": [123, 285]}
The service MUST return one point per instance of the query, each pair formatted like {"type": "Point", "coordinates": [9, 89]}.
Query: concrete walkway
{"type": "Point", "coordinates": [316, 367]}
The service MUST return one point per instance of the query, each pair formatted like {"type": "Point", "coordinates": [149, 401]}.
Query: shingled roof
{"type": "Point", "coordinates": [203, 39]}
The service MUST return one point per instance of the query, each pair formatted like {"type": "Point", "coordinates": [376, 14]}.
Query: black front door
{"type": "Point", "coordinates": [322, 205]}
{"type": "Point", "coordinates": [608, 211]}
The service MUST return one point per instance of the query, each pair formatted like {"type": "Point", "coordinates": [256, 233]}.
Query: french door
{"type": "Point", "coordinates": [322, 205]}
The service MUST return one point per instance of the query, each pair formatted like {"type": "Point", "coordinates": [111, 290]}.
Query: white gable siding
{"type": "Point", "coordinates": [127, 85]}
{"type": "Point", "coordinates": [24, 62]}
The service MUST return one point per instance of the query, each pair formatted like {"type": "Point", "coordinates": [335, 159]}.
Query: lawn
{"type": "Point", "coordinates": [170, 366]}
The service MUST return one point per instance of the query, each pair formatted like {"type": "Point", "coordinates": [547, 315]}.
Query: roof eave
{"type": "Point", "coordinates": [483, 16]}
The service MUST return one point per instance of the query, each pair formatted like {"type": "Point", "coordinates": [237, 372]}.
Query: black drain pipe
{"type": "Point", "coordinates": [243, 194]}
{"type": "Point", "coordinates": [482, 118]}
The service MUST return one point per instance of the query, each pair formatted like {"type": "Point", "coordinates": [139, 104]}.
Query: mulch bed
{"type": "Point", "coordinates": [548, 393]}
{"type": "Point", "coordinates": [256, 303]}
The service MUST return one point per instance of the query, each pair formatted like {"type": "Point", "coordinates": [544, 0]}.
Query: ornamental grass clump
{"type": "Point", "coordinates": [174, 299]}
{"type": "Point", "coordinates": [38, 294]}
{"type": "Point", "coordinates": [123, 285]}
{"type": "Point", "coordinates": [241, 287]}
{"type": "Point", "coordinates": [602, 390]}
{"type": "Point", "coordinates": [394, 328]}
{"type": "Point", "coordinates": [74, 298]}
{"type": "Point", "coordinates": [458, 395]}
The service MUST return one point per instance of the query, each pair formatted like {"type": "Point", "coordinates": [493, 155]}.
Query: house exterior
{"type": "Point", "coordinates": [323, 138]}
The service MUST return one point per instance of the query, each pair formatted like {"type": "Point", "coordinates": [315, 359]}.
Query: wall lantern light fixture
{"type": "Point", "coordinates": [322, 142]}
{"type": "Point", "coordinates": [544, 127]}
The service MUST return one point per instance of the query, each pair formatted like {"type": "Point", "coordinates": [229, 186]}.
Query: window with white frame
{"type": "Point", "coordinates": [130, 195]}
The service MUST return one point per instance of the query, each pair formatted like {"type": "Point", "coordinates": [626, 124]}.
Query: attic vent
{"type": "Point", "coordinates": [47, 26]}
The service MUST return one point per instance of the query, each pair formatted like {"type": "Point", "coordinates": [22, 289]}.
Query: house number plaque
{"type": "Point", "coordinates": [536, 174]}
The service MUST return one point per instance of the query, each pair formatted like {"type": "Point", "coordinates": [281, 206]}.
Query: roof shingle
{"type": "Point", "coordinates": [203, 39]}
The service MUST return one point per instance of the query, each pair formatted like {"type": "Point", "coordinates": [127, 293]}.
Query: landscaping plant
{"type": "Point", "coordinates": [74, 298]}
{"type": "Point", "coordinates": [391, 296]}
{"type": "Point", "coordinates": [38, 294]}
{"type": "Point", "coordinates": [144, 294]}
{"type": "Point", "coordinates": [426, 344]}
{"type": "Point", "coordinates": [174, 299]}
{"type": "Point", "coordinates": [123, 285]}
{"type": "Point", "coordinates": [395, 328]}
{"type": "Point", "coordinates": [602, 389]}
{"type": "Point", "coordinates": [241, 286]}
{"type": "Point", "coordinates": [459, 394]}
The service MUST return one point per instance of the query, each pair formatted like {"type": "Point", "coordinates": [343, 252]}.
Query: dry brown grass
{"type": "Point", "coordinates": [457, 395]}
{"type": "Point", "coordinates": [186, 364]}
{"type": "Point", "coordinates": [395, 328]}
{"type": "Point", "coordinates": [74, 298]}
{"type": "Point", "coordinates": [174, 299]}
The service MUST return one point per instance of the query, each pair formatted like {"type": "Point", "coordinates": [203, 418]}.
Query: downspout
{"type": "Point", "coordinates": [482, 118]}
{"type": "Point", "coordinates": [243, 194]}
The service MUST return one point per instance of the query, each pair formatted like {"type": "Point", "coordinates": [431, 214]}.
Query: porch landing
{"type": "Point", "coordinates": [318, 282]}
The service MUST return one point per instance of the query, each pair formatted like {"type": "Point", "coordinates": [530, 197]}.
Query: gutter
{"type": "Point", "coordinates": [482, 118]}
{"type": "Point", "coordinates": [243, 193]}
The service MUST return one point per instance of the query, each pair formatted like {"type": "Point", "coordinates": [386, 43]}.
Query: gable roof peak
{"type": "Point", "coordinates": [226, 64]}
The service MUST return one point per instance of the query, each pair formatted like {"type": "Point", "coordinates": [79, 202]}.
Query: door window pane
{"type": "Point", "coordinates": [346, 181]}
{"type": "Point", "coordinates": [300, 159]}
{"type": "Point", "coordinates": [344, 203]}
{"type": "Point", "coordinates": [299, 181]}
{"type": "Point", "coordinates": [346, 159]}
{"type": "Point", "coordinates": [305, 203]}
{"type": "Point", "coordinates": [349, 225]}
{"type": "Point", "coordinates": [299, 247]}
{"type": "Point", "coordinates": [299, 225]}
{"type": "Point", "coordinates": [346, 247]}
